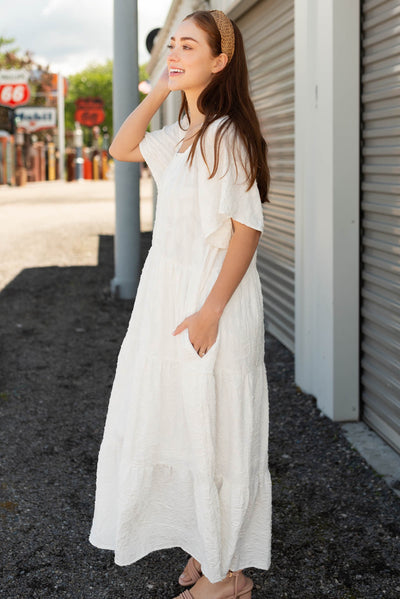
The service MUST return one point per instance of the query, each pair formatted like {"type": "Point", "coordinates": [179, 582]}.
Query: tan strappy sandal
{"type": "Point", "coordinates": [244, 593]}
{"type": "Point", "coordinates": [192, 571]}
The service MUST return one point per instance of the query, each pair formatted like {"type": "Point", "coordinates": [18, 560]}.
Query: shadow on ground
{"type": "Point", "coordinates": [335, 523]}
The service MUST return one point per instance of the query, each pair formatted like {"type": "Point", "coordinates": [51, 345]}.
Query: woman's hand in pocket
{"type": "Point", "coordinates": [202, 329]}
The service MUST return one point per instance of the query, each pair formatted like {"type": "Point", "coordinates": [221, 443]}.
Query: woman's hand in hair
{"type": "Point", "coordinates": [125, 145]}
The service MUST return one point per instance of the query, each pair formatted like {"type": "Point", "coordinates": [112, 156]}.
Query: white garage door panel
{"type": "Point", "coordinates": [380, 213]}
{"type": "Point", "coordinates": [268, 33]}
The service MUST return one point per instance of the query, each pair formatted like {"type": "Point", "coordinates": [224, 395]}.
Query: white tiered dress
{"type": "Point", "coordinates": [184, 457]}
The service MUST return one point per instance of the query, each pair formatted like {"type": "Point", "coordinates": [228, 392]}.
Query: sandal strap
{"type": "Point", "coordinates": [185, 595]}
{"type": "Point", "coordinates": [236, 575]}
{"type": "Point", "coordinates": [192, 570]}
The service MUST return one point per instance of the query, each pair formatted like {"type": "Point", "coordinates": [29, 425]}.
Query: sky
{"type": "Point", "coordinates": [69, 34]}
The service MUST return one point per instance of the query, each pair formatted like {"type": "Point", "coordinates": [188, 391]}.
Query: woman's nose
{"type": "Point", "coordinates": [172, 56]}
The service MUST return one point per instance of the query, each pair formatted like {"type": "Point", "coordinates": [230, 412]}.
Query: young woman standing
{"type": "Point", "coordinates": [184, 457]}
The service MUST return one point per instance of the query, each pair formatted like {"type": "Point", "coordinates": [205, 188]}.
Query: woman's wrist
{"type": "Point", "coordinates": [161, 87]}
{"type": "Point", "coordinates": [161, 91]}
{"type": "Point", "coordinates": [156, 97]}
{"type": "Point", "coordinates": [212, 309]}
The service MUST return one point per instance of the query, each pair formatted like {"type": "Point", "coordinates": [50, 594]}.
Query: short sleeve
{"type": "Point", "coordinates": [225, 196]}
{"type": "Point", "coordinates": [158, 148]}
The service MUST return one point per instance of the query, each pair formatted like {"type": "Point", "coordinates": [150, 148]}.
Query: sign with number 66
{"type": "Point", "coordinates": [14, 94]}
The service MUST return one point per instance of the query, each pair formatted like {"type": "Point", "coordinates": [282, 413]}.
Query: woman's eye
{"type": "Point", "coordinates": [171, 47]}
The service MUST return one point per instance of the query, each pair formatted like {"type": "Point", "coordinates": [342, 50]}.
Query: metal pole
{"type": "Point", "coordinates": [78, 143]}
{"type": "Point", "coordinates": [61, 125]}
{"type": "Point", "coordinates": [125, 99]}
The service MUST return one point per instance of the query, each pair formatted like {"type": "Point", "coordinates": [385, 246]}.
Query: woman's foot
{"type": "Point", "coordinates": [186, 576]}
{"type": "Point", "coordinates": [224, 589]}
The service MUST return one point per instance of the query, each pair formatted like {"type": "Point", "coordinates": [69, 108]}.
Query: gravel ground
{"type": "Point", "coordinates": [336, 524]}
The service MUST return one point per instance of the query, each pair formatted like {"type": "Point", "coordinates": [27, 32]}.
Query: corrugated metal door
{"type": "Point", "coordinates": [380, 212]}
{"type": "Point", "coordinates": [268, 33]}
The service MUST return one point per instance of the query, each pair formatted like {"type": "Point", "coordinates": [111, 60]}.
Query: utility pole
{"type": "Point", "coordinates": [125, 99]}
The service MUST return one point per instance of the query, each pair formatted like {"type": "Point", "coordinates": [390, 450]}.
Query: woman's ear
{"type": "Point", "coordinates": [220, 62]}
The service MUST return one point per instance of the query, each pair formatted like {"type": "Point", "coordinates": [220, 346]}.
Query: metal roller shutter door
{"type": "Point", "coordinates": [380, 217]}
{"type": "Point", "coordinates": [268, 33]}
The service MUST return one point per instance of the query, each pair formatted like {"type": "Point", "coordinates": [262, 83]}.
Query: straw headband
{"type": "Point", "coordinates": [226, 31]}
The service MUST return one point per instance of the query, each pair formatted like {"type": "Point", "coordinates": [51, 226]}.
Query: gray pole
{"type": "Point", "coordinates": [61, 126]}
{"type": "Point", "coordinates": [125, 99]}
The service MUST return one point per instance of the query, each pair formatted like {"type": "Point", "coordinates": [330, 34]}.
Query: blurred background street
{"type": "Point", "coordinates": [55, 223]}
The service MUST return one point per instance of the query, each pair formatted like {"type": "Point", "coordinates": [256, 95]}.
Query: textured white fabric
{"type": "Point", "coordinates": [184, 457]}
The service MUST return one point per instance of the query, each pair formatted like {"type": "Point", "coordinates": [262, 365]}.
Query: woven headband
{"type": "Point", "coordinates": [226, 31]}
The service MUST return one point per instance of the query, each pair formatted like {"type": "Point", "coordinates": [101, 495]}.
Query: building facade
{"type": "Point", "coordinates": [324, 78]}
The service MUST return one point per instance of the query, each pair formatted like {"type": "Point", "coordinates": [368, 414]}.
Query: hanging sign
{"type": "Point", "coordinates": [34, 118]}
{"type": "Point", "coordinates": [14, 89]}
{"type": "Point", "coordinates": [89, 111]}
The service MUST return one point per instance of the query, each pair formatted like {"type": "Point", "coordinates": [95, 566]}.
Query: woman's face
{"type": "Point", "coordinates": [190, 62]}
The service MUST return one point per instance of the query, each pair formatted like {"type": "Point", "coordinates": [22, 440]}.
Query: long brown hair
{"type": "Point", "coordinates": [228, 94]}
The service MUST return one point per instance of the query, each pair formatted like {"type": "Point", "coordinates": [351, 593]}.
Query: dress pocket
{"type": "Point", "coordinates": [191, 351]}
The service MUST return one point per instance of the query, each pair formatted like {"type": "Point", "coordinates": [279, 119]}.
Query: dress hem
{"type": "Point", "coordinates": [123, 563]}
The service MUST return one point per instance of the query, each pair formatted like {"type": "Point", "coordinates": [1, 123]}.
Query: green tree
{"type": "Point", "coordinates": [94, 81]}
{"type": "Point", "coordinates": [39, 76]}
{"type": "Point", "coordinates": [10, 58]}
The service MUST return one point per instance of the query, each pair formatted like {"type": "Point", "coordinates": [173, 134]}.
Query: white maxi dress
{"type": "Point", "coordinates": [184, 456]}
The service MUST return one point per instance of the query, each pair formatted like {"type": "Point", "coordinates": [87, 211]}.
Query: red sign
{"type": "Point", "coordinates": [14, 94]}
{"type": "Point", "coordinates": [89, 111]}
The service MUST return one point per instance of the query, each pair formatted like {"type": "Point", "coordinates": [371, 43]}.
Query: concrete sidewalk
{"type": "Point", "coordinates": [55, 223]}
{"type": "Point", "coordinates": [336, 523]}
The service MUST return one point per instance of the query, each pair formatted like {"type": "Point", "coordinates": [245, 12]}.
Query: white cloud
{"type": "Point", "coordinates": [69, 34]}
{"type": "Point", "coordinates": [51, 6]}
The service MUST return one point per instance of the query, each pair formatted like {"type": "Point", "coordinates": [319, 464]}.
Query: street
{"type": "Point", "coordinates": [55, 223]}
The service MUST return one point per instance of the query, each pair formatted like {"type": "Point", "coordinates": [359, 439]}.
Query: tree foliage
{"type": "Point", "coordinates": [39, 76]}
{"type": "Point", "coordinates": [94, 81]}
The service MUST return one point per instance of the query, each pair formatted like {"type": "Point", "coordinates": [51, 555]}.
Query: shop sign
{"type": "Point", "coordinates": [14, 89]}
{"type": "Point", "coordinates": [89, 111]}
{"type": "Point", "coordinates": [34, 118]}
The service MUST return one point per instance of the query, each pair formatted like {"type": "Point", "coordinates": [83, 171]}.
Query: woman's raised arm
{"type": "Point", "coordinates": [125, 145]}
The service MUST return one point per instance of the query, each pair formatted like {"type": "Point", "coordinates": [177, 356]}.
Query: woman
{"type": "Point", "coordinates": [183, 461]}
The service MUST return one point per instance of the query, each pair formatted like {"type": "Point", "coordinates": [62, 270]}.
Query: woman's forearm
{"type": "Point", "coordinates": [132, 130]}
{"type": "Point", "coordinates": [239, 254]}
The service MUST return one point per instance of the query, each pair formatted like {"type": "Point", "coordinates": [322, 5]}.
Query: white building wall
{"type": "Point", "coordinates": [327, 204]}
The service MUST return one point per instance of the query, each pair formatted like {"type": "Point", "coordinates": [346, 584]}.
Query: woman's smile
{"type": "Point", "coordinates": [174, 71]}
